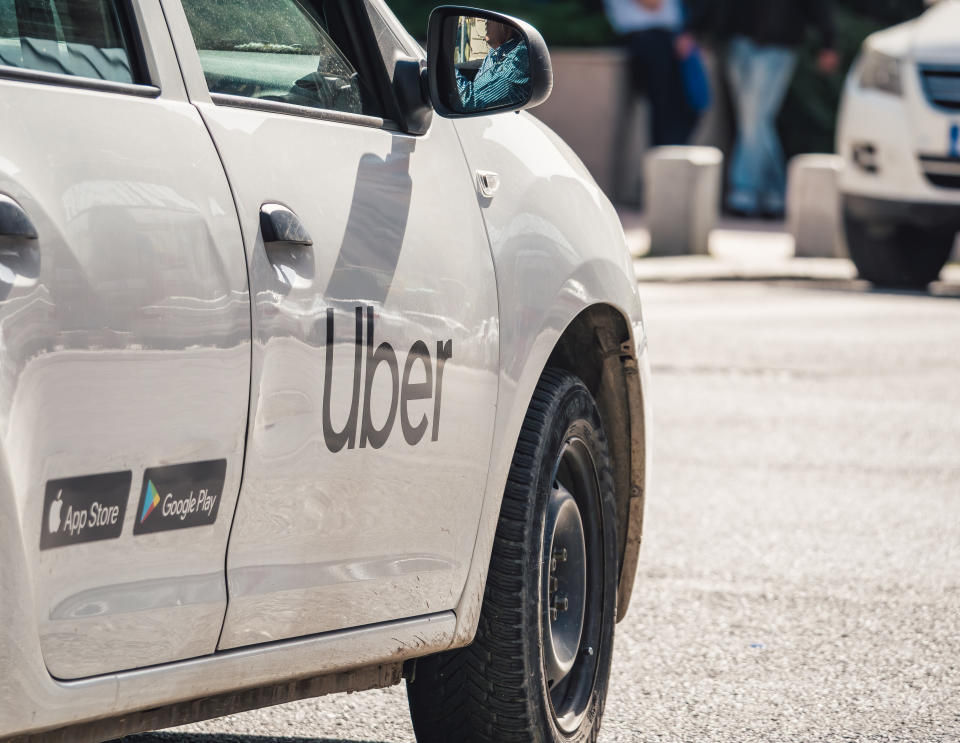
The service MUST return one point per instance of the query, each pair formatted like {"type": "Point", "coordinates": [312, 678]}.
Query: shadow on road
{"type": "Point", "coordinates": [228, 738]}
{"type": "Point", "coordinates": [936, 290]}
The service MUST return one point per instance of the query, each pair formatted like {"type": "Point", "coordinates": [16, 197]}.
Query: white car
{"type": "Point", "coordinates": [321, 366]}
{"type": "Point", "coordinates": [899, 133]}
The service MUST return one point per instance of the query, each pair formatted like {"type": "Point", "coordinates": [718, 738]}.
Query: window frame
{"type": "Point", "coordinates": [132, 32]}
{"type": "Point", "coordinates": [361, 50]}
{"type": "Point", "coordinates": [404, 95]}
{"type": "Point", "coordinates": [309, 112]}
{"type": "Point", "coordinates": [384, 77]}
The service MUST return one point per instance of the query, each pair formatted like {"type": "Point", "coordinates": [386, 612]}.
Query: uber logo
{"type": "Point", "coordinates": [403, 391]}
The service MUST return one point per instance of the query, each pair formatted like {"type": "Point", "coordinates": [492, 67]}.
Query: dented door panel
{"type": "Point", "coordinates": [374, 378]}
{"type": "Point", "coordinates": [124, 346]}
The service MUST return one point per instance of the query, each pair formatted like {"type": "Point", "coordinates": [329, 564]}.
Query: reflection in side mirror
{"type": "Point", "coordinates": [482, 62]}
{"type": "Point", "coordinates": [492, 65]}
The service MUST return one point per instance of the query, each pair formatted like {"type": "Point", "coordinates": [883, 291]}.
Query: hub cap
{"type": "Point", "coordinates": [566, 583]}
{"type": "Point", "coordinates": [572, 585]}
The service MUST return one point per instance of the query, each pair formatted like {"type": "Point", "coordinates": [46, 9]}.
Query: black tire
{"type": "Point", "coordinates": [897, 254]}
{"type": "Point", "coordinates": [500, 689]}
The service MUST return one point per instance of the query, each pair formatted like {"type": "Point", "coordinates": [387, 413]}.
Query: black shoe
{"type": "Point", "coordinates": [773, 214]}
{"type": "Point", "coordinates": [733, 211]}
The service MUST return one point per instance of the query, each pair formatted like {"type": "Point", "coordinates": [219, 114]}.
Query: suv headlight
{"type": "Point", "coordinates": [880, 71]}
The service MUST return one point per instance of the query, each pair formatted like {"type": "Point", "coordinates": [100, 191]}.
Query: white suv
{"type": "Point", "coordinates": [321, 365]}
{"type": "Point", "coordinates": [899, 133]}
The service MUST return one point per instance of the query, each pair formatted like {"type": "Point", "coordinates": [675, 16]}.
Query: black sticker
{"type": "Point", "coordinates": [180, 496]}
{"type": "Point", "coordinates": [84, 509]}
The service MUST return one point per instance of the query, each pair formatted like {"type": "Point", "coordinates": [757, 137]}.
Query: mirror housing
{"type": "Point", "coordinates": [409, 76]}
{"type": "Point", "coordinates": [442, 75]}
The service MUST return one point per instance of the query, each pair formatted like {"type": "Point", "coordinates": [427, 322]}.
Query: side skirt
{"type": "Point", "coordinates": [230, 681]}
{"type": "Point", "coordinates": [183, 713]}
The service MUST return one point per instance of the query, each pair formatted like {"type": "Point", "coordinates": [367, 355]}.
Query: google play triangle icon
{"type": "Point", "coordinates": [150, 502]}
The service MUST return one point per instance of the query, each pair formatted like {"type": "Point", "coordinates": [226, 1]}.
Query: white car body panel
{"type": "Point", "coordinates": [935, 33]}
{"type": "Point", "coordinates": [902, 127]}
{"type": "Point", "coordinates": [325, 540]}
{"type": "Point", "coordinates": [558, 248]}
{"type": "Point", "coordinates": [383, 556]}
{"type": "Point", "coordinates": [119, 361]}
{"type": "Point", "coordinates": [33, 702]}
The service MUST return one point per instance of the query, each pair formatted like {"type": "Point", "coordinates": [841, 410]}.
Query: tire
{"type": "Point", "coordinates": [897, 254]}
{"type": "Point", "coordinates": [526, 678]}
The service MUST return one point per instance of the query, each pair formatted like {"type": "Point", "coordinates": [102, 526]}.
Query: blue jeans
{"type": "Point", "coordinates": [759, 77]}
{"type": "Point", "coordinates": [655, 72]}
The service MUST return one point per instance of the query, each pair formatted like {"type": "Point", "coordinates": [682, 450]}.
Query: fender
{"type": "Point", "coordinates": [558, 251]}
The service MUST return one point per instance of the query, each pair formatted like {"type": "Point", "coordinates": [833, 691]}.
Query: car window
{"type": "Point", "coordinates": [84, 38]}
{"type": "Point", "coordinates": [275, 50]}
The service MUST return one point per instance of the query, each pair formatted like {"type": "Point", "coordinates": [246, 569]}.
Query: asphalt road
{"type": "Point", "coordinates": [800, 579]}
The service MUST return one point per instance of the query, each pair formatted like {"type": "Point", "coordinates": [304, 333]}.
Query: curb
{"type": "Point", "coordinates": [744, 250]}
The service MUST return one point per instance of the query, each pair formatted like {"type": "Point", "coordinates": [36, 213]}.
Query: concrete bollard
{"type": "Point", "coordinates": [813, 206]}
{"type": "Point", "coordinates": [682, 198]}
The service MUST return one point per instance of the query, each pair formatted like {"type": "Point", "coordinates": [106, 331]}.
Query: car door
{"type": "Point", "coordinates": [124, 338]}
{"type": "Point", "coordinates": [375, 323]}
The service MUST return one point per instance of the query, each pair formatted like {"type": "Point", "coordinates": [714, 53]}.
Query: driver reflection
{"type": "Point", "coordinates": [504, 75]}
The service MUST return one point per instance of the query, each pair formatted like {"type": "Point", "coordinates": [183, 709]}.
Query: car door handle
{"type": "Point", "coordinates": [280, 226]}
{"type": "Point", "coordinates": [14, 221]}
{"type": "Point", "coordinates": [488, 183]}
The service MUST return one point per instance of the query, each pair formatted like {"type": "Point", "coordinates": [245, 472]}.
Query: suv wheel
{"type": "Point", "coordinates": [538, 668]}
{"type": "Point", "coordinates": [896, 254]}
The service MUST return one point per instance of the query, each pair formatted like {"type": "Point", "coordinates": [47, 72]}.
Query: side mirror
{"type": "Point", "coordinates": [482, 62]}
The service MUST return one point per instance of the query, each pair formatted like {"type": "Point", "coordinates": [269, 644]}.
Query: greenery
{"type": "Point", "coordinates": [562, 22]}
{"type": "Point", "coordinates": [807, 121]}
{"type": "Point", "coordinates": [808, 117]}
{"type": "Point", "coordinates": [582, 22]}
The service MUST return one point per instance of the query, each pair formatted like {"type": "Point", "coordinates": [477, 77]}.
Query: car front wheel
{"type": "Point", "coordinates": [897, 253]}
{"type": "Point", "coordinates": [538, 668]}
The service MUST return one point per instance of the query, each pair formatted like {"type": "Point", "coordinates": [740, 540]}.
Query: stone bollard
{"type": "Point", "coordinates": [683, 198]}
{"type": "Point", "coordinates": [813, 206]}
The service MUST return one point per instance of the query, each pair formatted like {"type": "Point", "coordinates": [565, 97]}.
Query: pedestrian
{"type": "Point", "coordinates": [763, 36]}
{"type": "Point", "coordinates": [504, 74]}
{"type": "Point", "coordinates": [653, 34]}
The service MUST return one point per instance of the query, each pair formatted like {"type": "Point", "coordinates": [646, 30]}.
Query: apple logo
{"type": "Point", "coordinates": [53, 519]}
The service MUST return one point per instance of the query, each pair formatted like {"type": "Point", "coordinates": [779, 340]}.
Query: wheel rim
{"type": "Point", "coordinates": [571, 592]}
{"type": "Point", "coordinates": [566, 592]}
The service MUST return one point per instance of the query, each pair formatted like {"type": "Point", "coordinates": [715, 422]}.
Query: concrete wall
{"type": "Point", "coordinates": [585, 104]}
{"type": "Point", "coordinates": [589, 102]}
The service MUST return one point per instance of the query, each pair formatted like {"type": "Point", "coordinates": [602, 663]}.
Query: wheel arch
{"type": "Point", "coordinates": [564, 273]}
{"type": "Point", "coordinates": [603, 343]}
{"type": "Point", "coordinates": [599, 348]}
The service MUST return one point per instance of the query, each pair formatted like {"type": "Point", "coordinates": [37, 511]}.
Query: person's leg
{"type": "Point", "coordinates": [777, 65]}
{"type": "Point", "coordinates": [671, 119]}
{"type": "Point", "coordinates": [746, 165]}
{"type": "Point", "coordinates": [634, 84]}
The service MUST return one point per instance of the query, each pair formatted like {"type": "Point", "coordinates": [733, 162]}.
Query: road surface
{"type": "Point", "coordinates": [800, 578]}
